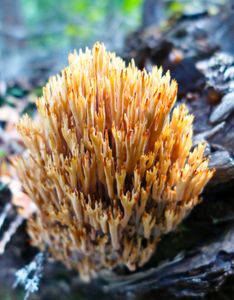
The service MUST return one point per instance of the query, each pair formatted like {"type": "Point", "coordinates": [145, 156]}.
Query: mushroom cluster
{"type": "Point", "coordinates": [109, 169]}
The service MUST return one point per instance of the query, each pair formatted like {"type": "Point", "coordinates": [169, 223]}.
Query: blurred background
{"type": "Point", "coordinates": [42, 32]}
{"type": "Point", "coordinates": [36, 35]}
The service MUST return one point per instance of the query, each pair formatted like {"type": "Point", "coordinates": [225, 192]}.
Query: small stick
{"type": "Point", "coordinates": [10, 232]}
{"type": "Point", "coordinates": [4, 214]}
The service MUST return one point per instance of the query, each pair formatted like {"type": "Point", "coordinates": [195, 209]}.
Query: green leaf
{"type": "Point", "coordinates": [130, 5]}
{"type": "Point", "coordinates": [176, 7]}
{"type": "Point", "coordinates": [2, 153]}
{"type": "Point", "coordinates": [37, 91]}
{"type": "Point", "coordinates": [16, 92]}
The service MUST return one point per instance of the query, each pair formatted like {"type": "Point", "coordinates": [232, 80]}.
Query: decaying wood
{"type": "Point", "coordinates": [224, 165]}
{"type": "Point", "coordinates": [191, 274]}
{"type": "Point", "coordinates": [224, 109]}
{"type": "Point", "coordinates": [205, 73]}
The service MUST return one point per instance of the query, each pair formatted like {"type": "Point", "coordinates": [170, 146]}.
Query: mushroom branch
{"type": "Point", "coordinates": [107, 165]}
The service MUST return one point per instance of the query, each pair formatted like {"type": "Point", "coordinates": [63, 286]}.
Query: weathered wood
{"type": "Point", "coordinates": [191, 274]}
{"type": "Point", "coordinates": [224, 109]}
{"type": "Point", "coordinates": [224, 165]}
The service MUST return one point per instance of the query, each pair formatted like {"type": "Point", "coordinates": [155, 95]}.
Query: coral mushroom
{"type": "Point", "coordinates": [108, 168]}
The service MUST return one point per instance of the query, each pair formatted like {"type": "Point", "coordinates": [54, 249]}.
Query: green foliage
{"type": "Point", "coordinates": [2, 154]}
{"type": "Point", "coordinates": [130, 5]}
{"type": "Point", "coordinates": [37, 91]}
{"type": "Point", "coordinates": [176, 7]}
{"type": "Point", "coordinates": [16, 92]}
{"type": "Point", "coordinates": [79, 22]}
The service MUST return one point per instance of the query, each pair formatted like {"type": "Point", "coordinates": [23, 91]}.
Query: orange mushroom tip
{"type": "Point", "coordinates": [109, 168]}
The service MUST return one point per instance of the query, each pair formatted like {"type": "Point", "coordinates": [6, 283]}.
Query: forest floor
{"type": "Point", "coordinates": [197, 260]}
